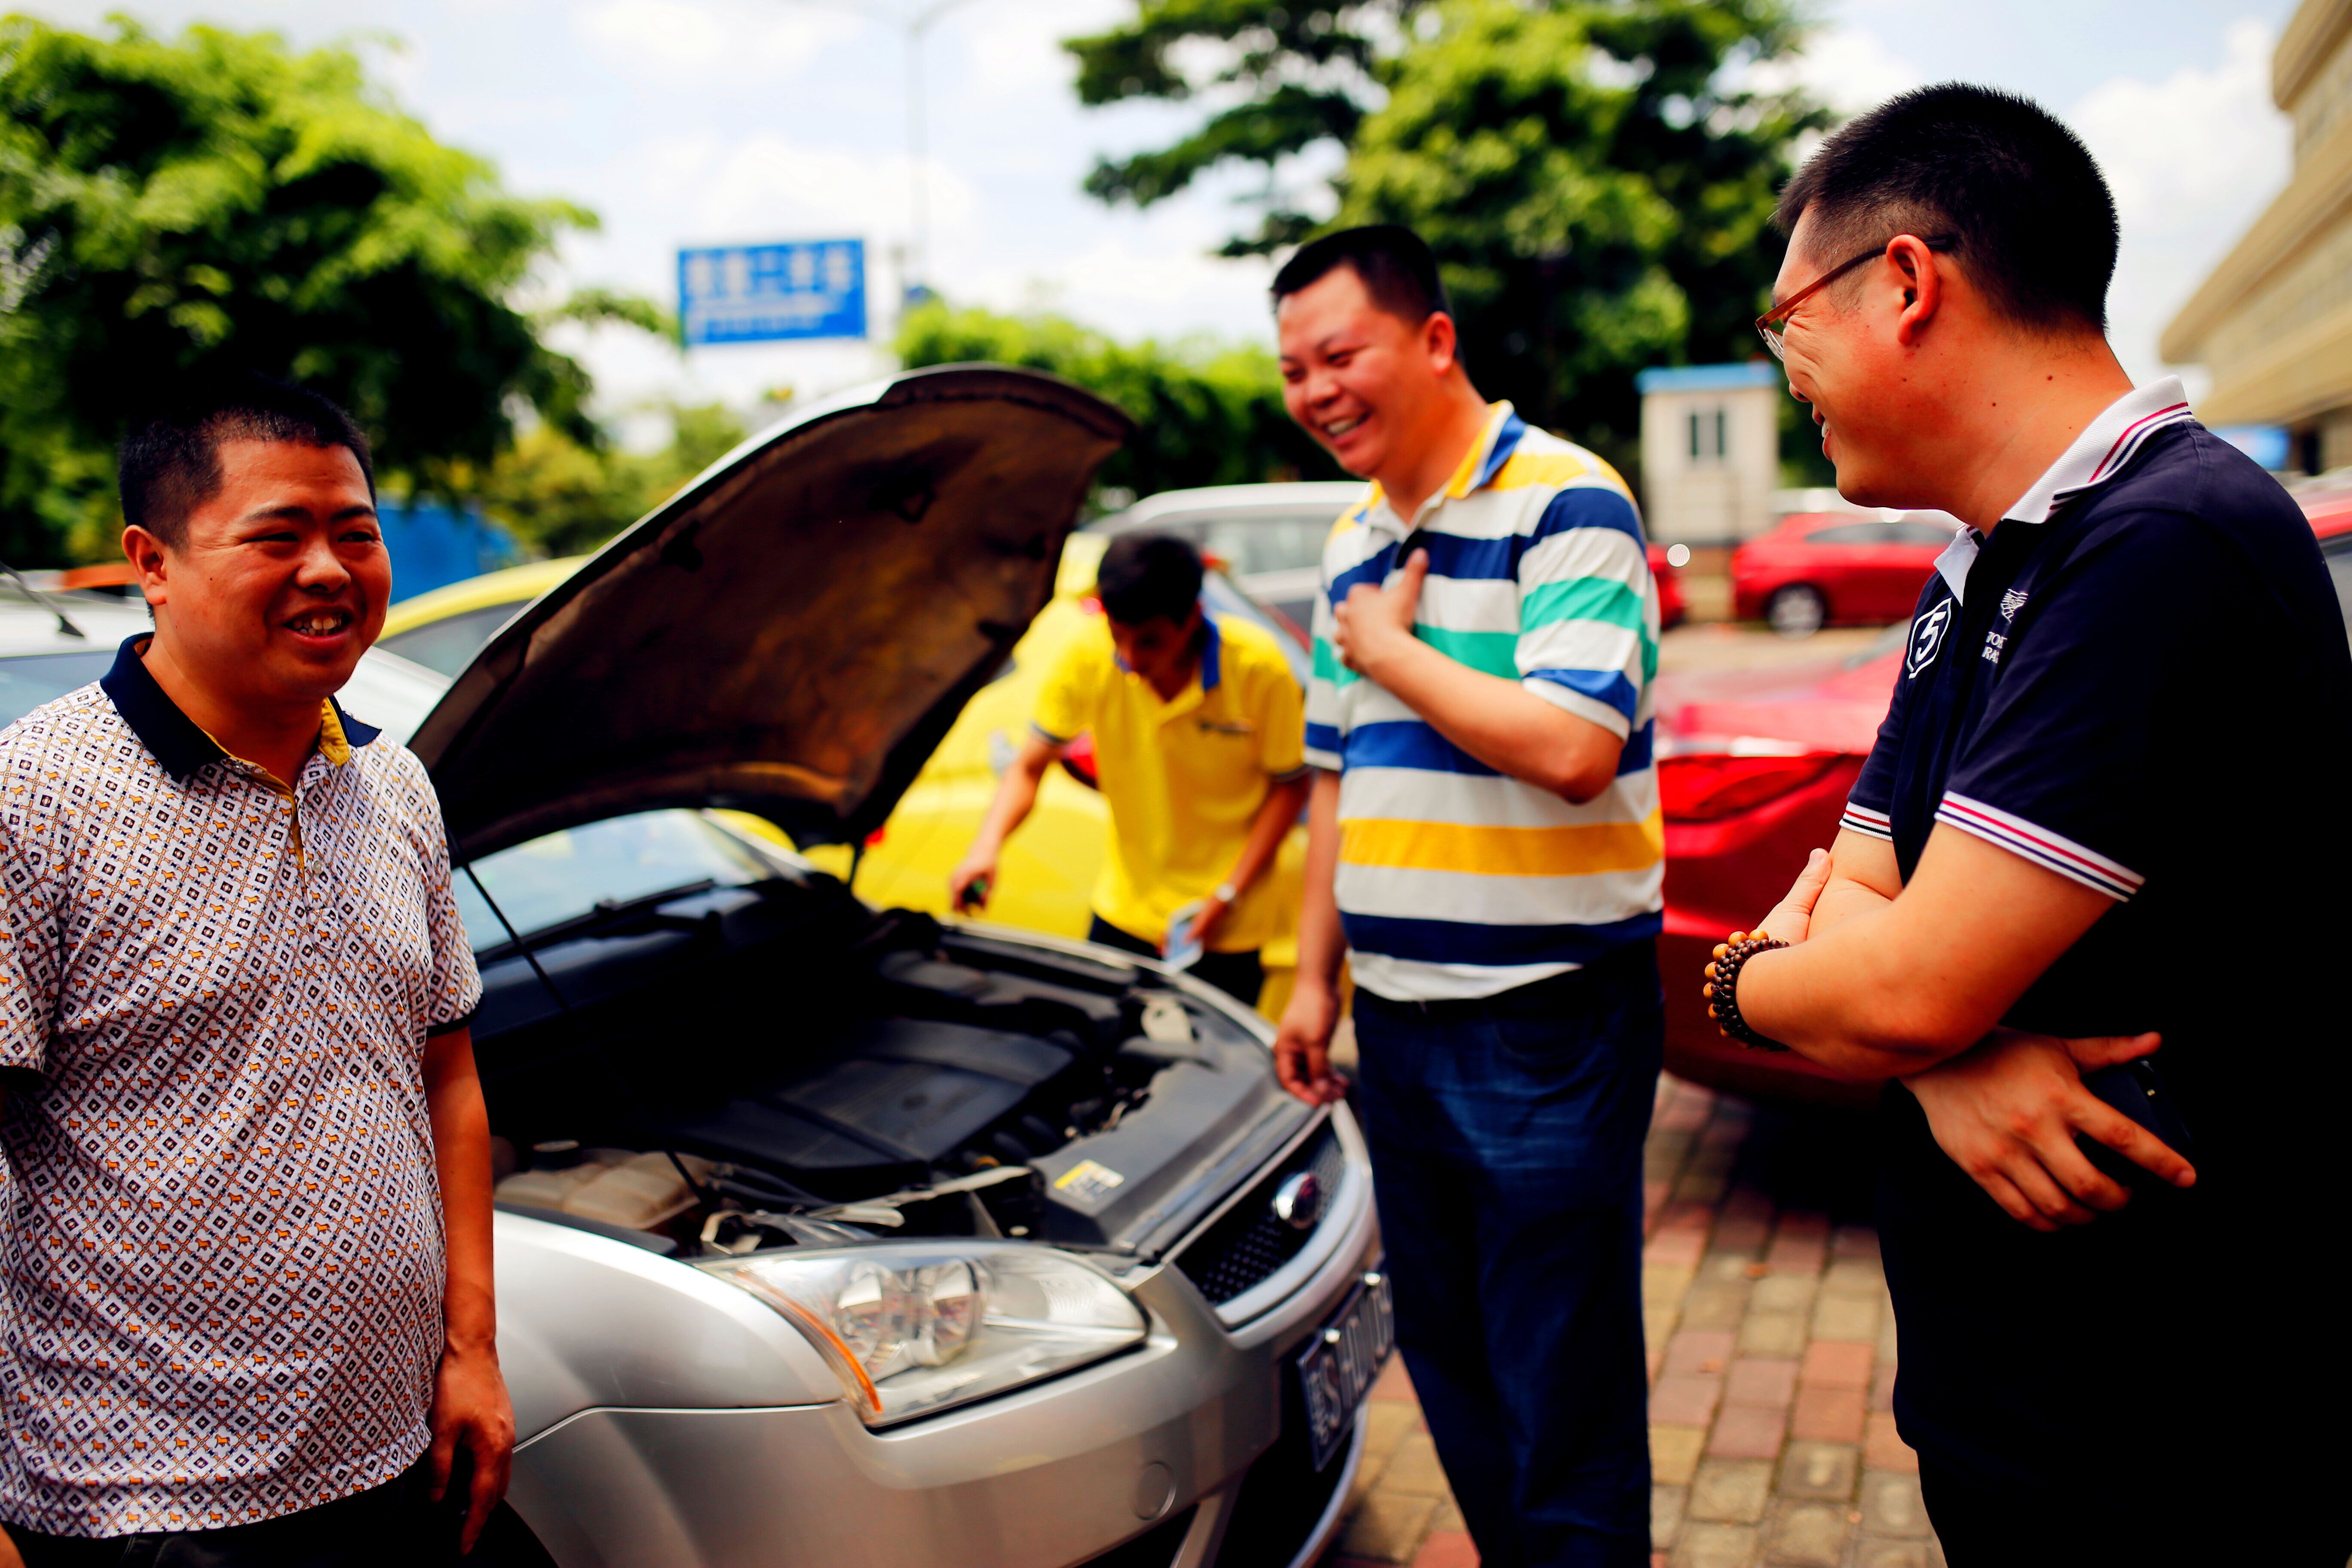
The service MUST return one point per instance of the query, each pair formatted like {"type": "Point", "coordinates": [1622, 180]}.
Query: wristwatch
{"type": "Point", "coordinates": [1225, 893]}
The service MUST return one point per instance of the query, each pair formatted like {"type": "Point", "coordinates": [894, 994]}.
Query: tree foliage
{"type": "Point", "coordinates": [561, 497]}
{"type": "Point", "coordinates": [1595, 183]}
{"type": "Point", "coordinates": [179, 208]}
{"type": "Point", "coordinates": [1209, 413]}
{"type": "Point", "coordinates": [1285, 80]}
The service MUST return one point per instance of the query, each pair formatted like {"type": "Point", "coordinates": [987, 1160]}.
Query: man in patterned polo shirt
{"type": "Point", "coordinates": [1484, 835]}
{"type": "Point", "coordinates": [245, 1246]}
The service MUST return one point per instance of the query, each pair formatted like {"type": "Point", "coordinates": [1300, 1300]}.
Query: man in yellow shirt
{"type": "Point", "coordinates": [1197, 725]}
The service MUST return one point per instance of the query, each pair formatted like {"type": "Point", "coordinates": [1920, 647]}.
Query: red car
{"type": "Point", "coordinates": [1753, 771]}
{"type": "Point", "coordinates": [1667, 571]}
{"type": "Point", "coordinates": [2330, 511]}
{"type": "Point", "coordinates": [1754, 767]}
{"type": "Point", "coordinates": [1817, 568]}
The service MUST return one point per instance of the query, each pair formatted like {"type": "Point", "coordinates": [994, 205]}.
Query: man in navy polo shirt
{"type": "Point", "coordinates": [2055, 863]}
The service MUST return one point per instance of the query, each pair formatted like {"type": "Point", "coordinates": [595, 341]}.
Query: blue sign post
{"type": "Point", "coordinates": [767, 293]}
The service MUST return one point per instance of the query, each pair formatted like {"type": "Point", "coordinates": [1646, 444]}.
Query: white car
{"type": "Point", "coordinates": [1269, 537]}
{"type": "Point", "coordinates": [51, 644]}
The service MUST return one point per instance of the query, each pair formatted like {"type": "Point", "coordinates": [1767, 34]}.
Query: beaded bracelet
{"type": "Point", "coordinates": [1723, 980]}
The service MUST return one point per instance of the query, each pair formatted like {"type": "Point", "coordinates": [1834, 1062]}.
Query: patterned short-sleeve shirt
{"type": "Point", "coordinates": [221, 1261]}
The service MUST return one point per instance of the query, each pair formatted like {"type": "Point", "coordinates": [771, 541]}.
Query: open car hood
{"type": "Point", "coordinates": [793, 633]}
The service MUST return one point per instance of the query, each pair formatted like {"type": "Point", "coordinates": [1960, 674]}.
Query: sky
{"type": "Point", "coordinates": [696, 121]}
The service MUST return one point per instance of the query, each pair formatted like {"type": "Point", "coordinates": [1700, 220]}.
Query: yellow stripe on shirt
{"type": "Point", "coordinates": [1579, 850]}
{"type": "Point", "coordinates": [1522, 468]}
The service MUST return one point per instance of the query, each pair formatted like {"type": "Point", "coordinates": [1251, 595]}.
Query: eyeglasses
{"type": "Point", "coordinates": [1772, 322]}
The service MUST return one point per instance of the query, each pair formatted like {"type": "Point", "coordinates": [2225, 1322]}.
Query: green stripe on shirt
{"type": "Point", "coordinates": [1602, 599]}
{"type": "Point", "coordinates": [1328, 665]}
{"type": "Point", "coordinates": [1493, 653]}
{"type": "Point", "coordinates": [1496, 653]}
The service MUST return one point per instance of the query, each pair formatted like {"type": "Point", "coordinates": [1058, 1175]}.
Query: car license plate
{"type": "Point", "coordinates": [1337, 1368]}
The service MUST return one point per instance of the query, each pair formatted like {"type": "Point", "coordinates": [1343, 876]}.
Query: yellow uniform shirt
{"type": "Point", "coordinates": [1184, 779]}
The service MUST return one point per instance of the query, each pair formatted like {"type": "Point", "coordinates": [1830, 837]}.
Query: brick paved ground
{"type": "Point", "coordinates": [1771, 1360]}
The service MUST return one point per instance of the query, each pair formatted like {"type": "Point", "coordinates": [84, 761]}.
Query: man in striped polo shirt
{"type": "Point", "coordinates": [1485, 842]}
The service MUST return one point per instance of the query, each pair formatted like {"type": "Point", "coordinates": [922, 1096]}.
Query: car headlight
{"type": "Point", "coordinates": [910, 1329]}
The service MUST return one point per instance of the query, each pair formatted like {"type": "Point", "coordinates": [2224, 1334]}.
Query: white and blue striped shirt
{"type": "Point", "coordinates": [1456, 880]}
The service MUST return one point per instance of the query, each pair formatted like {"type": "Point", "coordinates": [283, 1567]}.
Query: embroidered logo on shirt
{"type": "Point", "coordinates": [1928, 636]}
{"type": "Point", "coordinates": [2012, 602]}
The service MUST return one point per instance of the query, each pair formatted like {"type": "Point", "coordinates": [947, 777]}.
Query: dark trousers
{"type": "Point", "coordinates": [1982, 1526]}
{"type": "Point", "coordinates": [395, 1525]}
{"type": "Point", "coordinates": [1507, 1156]}
{"type": "Point", "coordinates": [1238, 974]}
{"type": "Point", "coordinates": [2174, 1521]}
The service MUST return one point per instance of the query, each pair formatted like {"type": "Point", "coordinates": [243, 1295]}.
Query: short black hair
{"type": "Point", "coordinates": [1398, 272]}
{"type": "Point", "coordinates": [169, 463]}
{"type": "Point", "coordinates": [1145, 575]}
{"type": "Point", "coordinates": [2035, 220]}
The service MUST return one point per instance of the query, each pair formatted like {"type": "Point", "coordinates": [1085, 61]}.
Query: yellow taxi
{"type": "Point", "coordinates": [1046, 878]}
{"type": "Point", "coordinates": [445, 628]}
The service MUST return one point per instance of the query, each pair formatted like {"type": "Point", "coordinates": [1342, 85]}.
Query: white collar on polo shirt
{"type": "Point", "coordinates": [2101, 452]}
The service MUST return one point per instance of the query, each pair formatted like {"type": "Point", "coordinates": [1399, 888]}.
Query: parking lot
{"type": "Point", "coordinates": [1697, 645]}
{"type": "Point", "coordinates": [1771, 1362]}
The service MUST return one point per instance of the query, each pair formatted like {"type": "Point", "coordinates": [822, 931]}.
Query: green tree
{"type": "Point", "coordinates": [1288, 78]}
{"type": "Point", "coordinates": [1594, 182]}
{"type": "Point", "coordinates": [182, 208]}
{"type": "Point", "coordinates": [562, 497]}
{"type": "Point", "coordinates": [1208, 413]}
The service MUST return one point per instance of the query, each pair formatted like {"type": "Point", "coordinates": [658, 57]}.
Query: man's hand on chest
{"type": "Point", "coordinates": [1374, 623]}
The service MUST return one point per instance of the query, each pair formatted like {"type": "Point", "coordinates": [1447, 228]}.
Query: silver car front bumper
{"type": "Point", "coordinates": [1046, 1477]}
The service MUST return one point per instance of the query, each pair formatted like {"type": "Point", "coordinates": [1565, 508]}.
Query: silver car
{"type": "Point", "coordinates": [1268, 537]}
{"type": "Point", "coordinates": [835, 1236]}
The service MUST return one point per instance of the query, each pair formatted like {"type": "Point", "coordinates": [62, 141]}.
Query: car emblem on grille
{"type": "Point", "coordinates": [1298, 1202]}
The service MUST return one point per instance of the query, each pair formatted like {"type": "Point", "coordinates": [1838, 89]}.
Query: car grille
{"type": "Point", "coordinates": [1249, 1243]}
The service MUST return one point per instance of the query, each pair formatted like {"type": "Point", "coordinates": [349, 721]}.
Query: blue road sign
{"type": "Point", "coordinates": [761, 293]}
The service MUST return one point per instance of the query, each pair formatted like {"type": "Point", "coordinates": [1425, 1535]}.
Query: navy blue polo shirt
{"type": "Point", "coordinates": [2140, 681]}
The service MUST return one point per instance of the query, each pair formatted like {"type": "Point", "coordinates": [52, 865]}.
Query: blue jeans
{"type": "Point", "coordinates": [1506, 1155]}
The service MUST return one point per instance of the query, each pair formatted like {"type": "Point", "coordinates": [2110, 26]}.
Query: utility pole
{"type": "Point", "coordinates": [918, 194]}
{"type": "Point", "coordinates": [914, 22]}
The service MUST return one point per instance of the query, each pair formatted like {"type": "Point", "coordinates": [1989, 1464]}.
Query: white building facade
{"type": "Point", "coordinates": [1710, 451]}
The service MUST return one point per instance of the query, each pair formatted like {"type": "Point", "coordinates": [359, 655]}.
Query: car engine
{"type": "Point", "coordinates": [737, 1068]}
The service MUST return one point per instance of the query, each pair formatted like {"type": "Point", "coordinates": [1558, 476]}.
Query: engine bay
{"type": "Point", "coordinates": [735, 1068]}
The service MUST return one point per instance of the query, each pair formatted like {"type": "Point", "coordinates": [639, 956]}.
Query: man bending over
{"type": "Point", "coordinates": [1196, 729]}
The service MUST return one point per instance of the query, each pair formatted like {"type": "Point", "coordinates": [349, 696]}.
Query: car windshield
{"type": "Point", "coordinates": [449, 644]}
{"type": "Point", "coordinates": [1248, 545]}
{"type": "Point", "coordinates": [28, 682]}
{"type": "Point", "coordinates": [1222, 599]}
{"type": "Point", "coordinates": [623, 860]}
